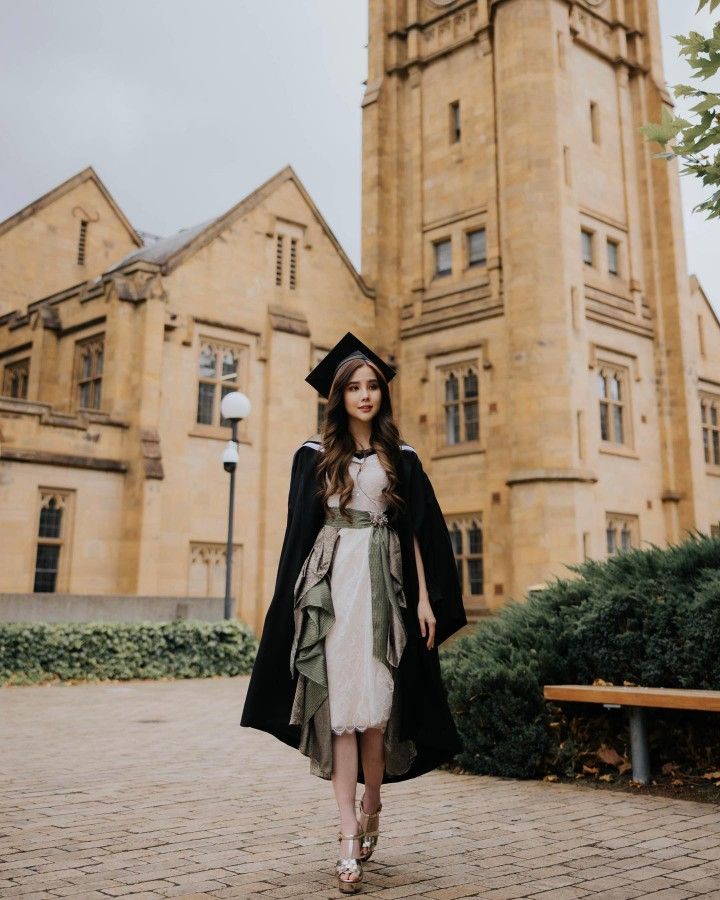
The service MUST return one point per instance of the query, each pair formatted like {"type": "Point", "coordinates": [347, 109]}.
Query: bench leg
{"type": "Point", "coordinates": [639, 745]}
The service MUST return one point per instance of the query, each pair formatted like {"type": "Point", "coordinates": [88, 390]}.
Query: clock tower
{"type": "Point", "coordinates": [527, 255]}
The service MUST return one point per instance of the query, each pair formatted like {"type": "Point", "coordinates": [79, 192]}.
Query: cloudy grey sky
{"type": "Point", "coordinates": [184, 106]}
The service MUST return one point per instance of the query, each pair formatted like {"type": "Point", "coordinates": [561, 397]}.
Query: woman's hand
{"type": "Point", "coordinates": [427, 621]}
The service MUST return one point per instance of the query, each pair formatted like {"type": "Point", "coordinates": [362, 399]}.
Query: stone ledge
{"type": "Point", "coordinates": [524, 476]}
{"type": "Point", "coordinates": [72, 461]}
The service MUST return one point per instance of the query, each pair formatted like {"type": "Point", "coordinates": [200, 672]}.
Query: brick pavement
{"type": "Point", "coordinates": [151, 789]}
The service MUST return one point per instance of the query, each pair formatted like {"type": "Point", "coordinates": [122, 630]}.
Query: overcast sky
{"type": "Point", "coordinates": [184, 106]}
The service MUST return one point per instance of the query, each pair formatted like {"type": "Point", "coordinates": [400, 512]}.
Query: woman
{"type": "Point", "coordinates": [347, 669]}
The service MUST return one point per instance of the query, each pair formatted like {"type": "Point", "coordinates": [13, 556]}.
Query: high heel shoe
{"type": "Point", "coordinates": [349, 866]}
{"type": "Point", "coordinates": [370, 824]}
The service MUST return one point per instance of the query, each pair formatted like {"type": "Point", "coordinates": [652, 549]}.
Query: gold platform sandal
{"type": "Point", "coordinates": [349, 865]}
{"type": "Point", "coordinates": [370, 824]}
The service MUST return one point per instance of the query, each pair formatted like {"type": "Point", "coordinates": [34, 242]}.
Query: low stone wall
{"type": "Point", "coordinates": [115, 608]}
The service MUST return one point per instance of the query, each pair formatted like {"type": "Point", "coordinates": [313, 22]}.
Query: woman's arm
{"type": "Point", "coordinates": [425, 613]}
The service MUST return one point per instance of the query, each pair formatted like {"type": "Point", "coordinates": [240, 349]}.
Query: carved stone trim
{"type": "Point", "coordinates": [291, 321]}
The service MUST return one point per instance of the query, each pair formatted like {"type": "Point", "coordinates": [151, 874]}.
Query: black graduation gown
{"type": "Point", "coordinates": [426, 717]}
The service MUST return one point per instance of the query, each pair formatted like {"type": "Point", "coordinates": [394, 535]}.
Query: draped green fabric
{"type": "Point", "coordinates": [314, 616]}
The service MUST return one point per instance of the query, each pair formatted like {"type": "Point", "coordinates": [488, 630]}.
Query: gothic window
{"type": "Point", "coordinates": [207, 570]}
{"type": "Point", "coordinates": [51, 544]}
{"type": "Point", "coordinates": [710, 419]}
{"type": "Point", "coordinates": [218, 375]}
{"type": "Point", "coordinates": [89, 362]}
{"type": "Point", "coordinates": [621, 533]}
{"type": "Point", "coordinates": [613, 254]}
{"type": "Point", "coordinates": [466, 538]}
{"type": "Point", "coordinates": [612, 384]}
{"type": "Point", "coordinates": [443, 257]}
{"type": "Point", "coordinates": [455, 125]}
{"type": "Point", "coordinates": [586, 246]}
{"type": "Point", "coordinates": [15, 379]}
{"type": "Point", "coordinates": [460, 405]}
{"type": "Point", "coordinates": [82, 243]}
{"type": "Point", "coordinates": [476, 248]}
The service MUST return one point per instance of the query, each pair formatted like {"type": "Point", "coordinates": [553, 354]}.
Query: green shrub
{"type": "Point", "coordinates": [35, 652]}
{"type": "Point", "coordinates": [649, 617]}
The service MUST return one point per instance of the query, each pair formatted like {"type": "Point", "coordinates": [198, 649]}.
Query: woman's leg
{"type": "Point", "coordinates": [372, 753]}
{"type": "Point", "coordinates": [344, 781]}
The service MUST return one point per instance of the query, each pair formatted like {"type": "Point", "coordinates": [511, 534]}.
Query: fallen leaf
{"type": "Point", "coordinates": [711, 776]}
{"type": "Point", "coordinates": [550, 778]}
{"type": "Point", "coordinates": [590, 770]}
{"type": "Point", "coordinates": [609, 756]}
{"type": "Point", "coordinates": [677, 782]}
{"type": "Point", "coordinates": [669, 768]}
{"type": "Point", "coordinates": [607, 778]}
{"type": "Point", "coordinates": [629, 684]}
{"type": "Point", "coordinates": [599, 682]}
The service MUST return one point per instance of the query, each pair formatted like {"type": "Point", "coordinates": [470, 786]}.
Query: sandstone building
{"type": "Point", "coordinates": [559, 374]}
{"type": "Point", "coordinates": [111, 438]}
{"type": "Point", "coordinates": [523, 265]}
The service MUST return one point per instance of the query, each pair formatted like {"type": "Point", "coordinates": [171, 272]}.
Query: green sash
{"type": "Point", "coordinates": [314, 614]}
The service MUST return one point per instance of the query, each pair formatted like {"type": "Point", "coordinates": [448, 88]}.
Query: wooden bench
{"type": "Point", "coordinates": [637, 700]}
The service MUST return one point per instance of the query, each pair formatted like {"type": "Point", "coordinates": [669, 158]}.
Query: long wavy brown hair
{"type": "Point", "coordinates": [339, 444]}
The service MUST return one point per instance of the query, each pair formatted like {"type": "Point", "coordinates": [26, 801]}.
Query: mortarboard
{"type": "Point", "coordinates": [348, 347]}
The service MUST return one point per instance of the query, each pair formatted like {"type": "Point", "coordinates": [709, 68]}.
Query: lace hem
{"type": "Point", "coordinates": [346, 729]}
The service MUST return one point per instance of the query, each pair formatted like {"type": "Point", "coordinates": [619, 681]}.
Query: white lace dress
{"type": "Point", "coordinates": [360, 687]}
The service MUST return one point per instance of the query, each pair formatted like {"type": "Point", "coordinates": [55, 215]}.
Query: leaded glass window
{"type": "Point", "coordinates": [612, 389]}
{"type": "Point", "coordinates": [218, 375]}
{"type": "Point", "coordinates": [52, 528]}
{"type": "Point", "coordinates": [461, 405]}
{"type": "Point", "coordinates": [710, 429]}
{"type": "Point", "coordinates": [90, 359]}
{"type": "Point", "coordinates": [15, 379]}
{"type": "Point", "coordinates": [466, 538]}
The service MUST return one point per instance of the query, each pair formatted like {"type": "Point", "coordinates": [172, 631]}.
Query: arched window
{"type": "Point", "coordinates": [461, 405]}
{"type": "Point", "coordinates": [710, 429]}
{"type": "Point", "coordinates": [15, 379]}
{"type": "Point", "coordinates": [613, 408]}
{"type": "Point", "coordinates": [466, 538]}
{"type": "Point", "coordinates": [90, 360]}
{"type": "Point", "coordinates": [621, 532]}
{"type": "Point", "coordinates": [218, 375]}
{"type": "Point", "coordinates": [52, 530]}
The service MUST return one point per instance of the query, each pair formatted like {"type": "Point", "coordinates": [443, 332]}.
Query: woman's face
{"type": "Point", "coordinates": [362, 394]}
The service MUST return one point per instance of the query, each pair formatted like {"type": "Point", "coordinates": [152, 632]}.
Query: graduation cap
{"type": "Point", "coordinates": [348, 347]}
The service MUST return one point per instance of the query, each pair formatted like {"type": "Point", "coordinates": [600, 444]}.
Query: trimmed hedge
{"type": "Point", "coordinates": [648, 617]}
{"type": "Point", "coordinates": [38, 652]}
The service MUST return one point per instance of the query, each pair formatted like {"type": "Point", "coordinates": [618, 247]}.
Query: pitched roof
{"type": "Point", "coordinates": [170, 252]}
{"type": "Point", "coordinates": [60, 190]}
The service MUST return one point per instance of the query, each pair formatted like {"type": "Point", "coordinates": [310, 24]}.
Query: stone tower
{"type": "Point", "coordinates": [527, 254]}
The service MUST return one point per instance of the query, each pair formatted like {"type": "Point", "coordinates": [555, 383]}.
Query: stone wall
{"type": "Point", "coordinates": [96, 608]}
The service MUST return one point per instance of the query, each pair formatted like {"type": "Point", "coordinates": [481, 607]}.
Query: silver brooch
{"type": "Point", "coordinates": [378, 519]}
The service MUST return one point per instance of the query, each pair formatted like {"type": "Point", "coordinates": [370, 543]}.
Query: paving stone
{"type": "Point", "coordinates": [102, 806]}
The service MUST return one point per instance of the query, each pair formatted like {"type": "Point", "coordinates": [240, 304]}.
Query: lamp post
{"type": "Point", "coordinates": [233, 407]}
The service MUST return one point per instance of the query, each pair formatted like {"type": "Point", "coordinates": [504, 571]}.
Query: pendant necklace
{"type": "Point", "coordinates": [357, 479]}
